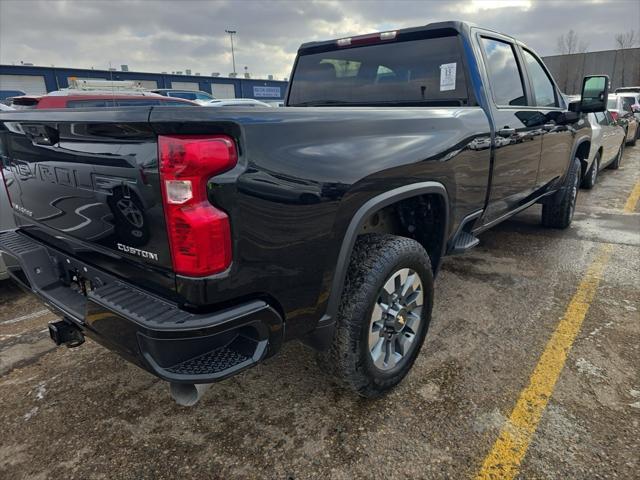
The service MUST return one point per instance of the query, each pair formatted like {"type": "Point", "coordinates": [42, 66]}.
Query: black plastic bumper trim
{"type": "Point", "coordinates": [155, 334]}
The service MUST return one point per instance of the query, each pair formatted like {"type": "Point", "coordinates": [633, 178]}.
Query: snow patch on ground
{"type": "Point", "coordinates": [40, 391]}
{"type": "Point", "coordinates": [30, 413]}
{"type": "Point", "coordinates": [588, 368]}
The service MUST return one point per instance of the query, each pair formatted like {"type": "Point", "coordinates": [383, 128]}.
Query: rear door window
{"type": "Point", "coordinates": [504, 74]}
{"type": "Point", "coordinates": [543, 89]}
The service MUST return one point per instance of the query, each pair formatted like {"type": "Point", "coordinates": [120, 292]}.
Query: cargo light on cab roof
{"type": "Point", "coordinates": [367, 39]}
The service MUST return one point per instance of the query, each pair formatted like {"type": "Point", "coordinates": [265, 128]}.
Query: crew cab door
{"type": "Point", "coordinates": [615, 134]}
{"type": "Point", "coordinates": [518, 131]}
{"type": "Point", "coordinates": [548, 108]}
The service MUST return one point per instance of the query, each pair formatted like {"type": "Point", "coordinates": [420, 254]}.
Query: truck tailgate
{"type": "Point", "coordinates": [90, 188]}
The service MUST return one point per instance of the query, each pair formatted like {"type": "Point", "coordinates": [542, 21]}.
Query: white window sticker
{"type": "Point", "coordinates": [448, 77]}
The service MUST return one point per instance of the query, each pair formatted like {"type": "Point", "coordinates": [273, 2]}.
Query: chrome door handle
{"type": "Point", "coordinates": [506, 132]}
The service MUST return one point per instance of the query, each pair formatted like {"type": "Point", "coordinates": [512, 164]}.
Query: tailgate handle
{"type": "Point", "coordinates": [41, 134]}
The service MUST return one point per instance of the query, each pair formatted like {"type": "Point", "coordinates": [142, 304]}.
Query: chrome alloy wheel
{"type": "Point", "coordinates": [396, 319]}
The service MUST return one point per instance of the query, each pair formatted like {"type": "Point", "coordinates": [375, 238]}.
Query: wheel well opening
{"type": "Point", "coordinates": [582, 154]}
{"type": "Point", "coordinates": [422, 218]}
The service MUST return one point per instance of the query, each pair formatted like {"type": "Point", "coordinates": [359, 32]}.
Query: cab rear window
{"type": "Point", "coordinates": [416, 72]}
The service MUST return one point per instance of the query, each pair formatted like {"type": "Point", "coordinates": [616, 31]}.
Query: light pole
{"type": "Point", "coordinates": [233, 57]}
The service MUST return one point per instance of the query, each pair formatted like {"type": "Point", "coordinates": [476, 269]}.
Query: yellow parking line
{"type": "Point", "coordinates": [503, 461]}
{"type": "Point", "coordinates": [632, 201]}
{"type": "Point", "coordinates": [511, 446]}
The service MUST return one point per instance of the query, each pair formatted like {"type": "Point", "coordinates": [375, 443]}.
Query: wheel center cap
{"type": "Point", "coordinates": [398, 319]}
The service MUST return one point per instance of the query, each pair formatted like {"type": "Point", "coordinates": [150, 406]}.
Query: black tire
{"type": "Point", "coordinates": [557, 210]}
{"type": "Point", "coordinates": [615, 165]}
{"type": "Point", "coordinates": [375, 260]}
{"type": "Point", "coordinates": [591, 176]}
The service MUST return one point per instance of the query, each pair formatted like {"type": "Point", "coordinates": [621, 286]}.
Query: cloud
{"type": "Point", "coordinates": [166, 35]}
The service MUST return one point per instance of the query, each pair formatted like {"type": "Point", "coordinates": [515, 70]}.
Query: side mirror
{"type": "Point", "coordinates": [595, 93]}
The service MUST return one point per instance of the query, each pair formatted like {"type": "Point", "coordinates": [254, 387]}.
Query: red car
{"type": "Point", "coordinates": [92, 100]}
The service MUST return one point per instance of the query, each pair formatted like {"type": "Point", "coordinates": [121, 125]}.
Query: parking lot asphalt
{"type": "Point", "coordinates": [85, 413]}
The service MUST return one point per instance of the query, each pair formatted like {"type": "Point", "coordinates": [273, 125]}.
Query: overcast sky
{"type": "Point", "coordinates": [172, 35]}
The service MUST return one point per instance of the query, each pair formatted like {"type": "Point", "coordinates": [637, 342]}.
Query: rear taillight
{"type": "Point", "coordinates": [199, 233]}
{"type": "Point", "coordinates": [614, 115]}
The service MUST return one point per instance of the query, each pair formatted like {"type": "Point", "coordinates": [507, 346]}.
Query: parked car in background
{"type": "Point", "coordinates": [197, 96]}
{"type": "Point", "coordinates": [628, 89]}
{"type": "Point", "coordinates": [620, 108]}
{"type": "Point", "coordinates": [607, 144]}
{"type": "Point", "coordinates": [236, 102]}
{"type": "Point", "coordinates": [633, 99]}
{"type": "Point", "coordinates": [95, 100]}
{"type": "Point", "coordinates": [5, 95]}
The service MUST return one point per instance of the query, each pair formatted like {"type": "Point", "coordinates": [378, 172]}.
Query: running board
{"type": "Point", "coordinates": [464, 241]}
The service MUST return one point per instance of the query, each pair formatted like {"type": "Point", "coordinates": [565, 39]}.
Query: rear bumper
{"type": "Point", "coordinates": [174, 344]}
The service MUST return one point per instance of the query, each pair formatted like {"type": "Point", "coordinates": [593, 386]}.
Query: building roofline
{"type": "Point", "coordinates": [136, 72]}
{"type": "Point", "coordinates": [595, 51]}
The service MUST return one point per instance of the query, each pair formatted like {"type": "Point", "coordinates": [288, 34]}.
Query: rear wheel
{"type": "Point", "coordinates": [590, 178]}
{"type": "Point", "coordinates": [384, 314]}
{"type": "Point", "coordinates": [558, 210]}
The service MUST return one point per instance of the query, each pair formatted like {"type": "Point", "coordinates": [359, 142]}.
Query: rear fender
{"type": "Point", "coordinates": [323, 335]}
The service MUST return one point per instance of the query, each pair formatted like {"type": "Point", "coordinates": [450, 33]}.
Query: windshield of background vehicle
{"type": "Point", "coordinates": [416, 72]}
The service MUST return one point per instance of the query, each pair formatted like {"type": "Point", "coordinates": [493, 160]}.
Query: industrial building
{"type": "Point", "coordinates": [36, 80]}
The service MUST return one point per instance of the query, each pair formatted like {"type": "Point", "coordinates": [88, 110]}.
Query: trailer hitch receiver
{"type": "Point", "coordinates": [64, 332]}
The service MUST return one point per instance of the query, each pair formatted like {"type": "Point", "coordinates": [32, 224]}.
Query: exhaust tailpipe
{"type": "Point", "coordinates": [188, 394]}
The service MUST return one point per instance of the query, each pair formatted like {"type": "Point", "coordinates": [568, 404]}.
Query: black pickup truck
{"type": "Point", "coordinates": [195, 241]}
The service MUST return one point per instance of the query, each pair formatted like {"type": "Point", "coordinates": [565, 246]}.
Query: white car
{"type": "Point", "coordinates": [633, 99]}
{"type": "Point", "coordinates": [236, 102]}
{"type": "Point", "coordinates": [607, 144]}
{"type": "Point", "coordinates": [621, 107]}
{"type": "Point", "coordinates": [194, 95]}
